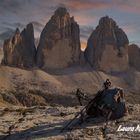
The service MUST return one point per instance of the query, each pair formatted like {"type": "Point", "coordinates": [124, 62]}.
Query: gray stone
{"type": "Point", "coordinates": [59, 44]}
{"type": "Point", "coordinates": [20, 51]}
{"type": "Point", "coordinates": [134, 56]}
{"type": "Point", "coordinates": [107, 47]}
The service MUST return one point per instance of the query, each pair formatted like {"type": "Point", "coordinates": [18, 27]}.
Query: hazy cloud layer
{"type": "Point", "coordinates": [18, 13]}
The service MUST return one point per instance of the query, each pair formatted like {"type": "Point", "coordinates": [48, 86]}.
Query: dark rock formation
{"type": "Point", "coordinates": [134, 56]}
{"type": "Point", "coordinates": [107, 47]}
{"type": "Point", "coordinates": [82, 59]}
{"type": "Point", "coordinates": [59, 45]}
{"type": "Point", "coordinates": [19, 51]}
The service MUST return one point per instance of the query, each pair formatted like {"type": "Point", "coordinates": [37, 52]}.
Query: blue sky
{"type": "Point", "coordinates": [18, 13]}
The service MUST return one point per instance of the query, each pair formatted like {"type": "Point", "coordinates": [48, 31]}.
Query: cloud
{"type": "Point", "coordinates": [85, 32]}
{"type": "Point", "coordinates": [86, 4]}
{"type": "Point", "coordinates": [128, 8]}
{"type": "Point", "coordinates": [86, 13]}
{"type": "Point", "coordinates": [129, 29]}
{"type": "Point", "coordinates": [38, 27]}
{"type": "Point", "coordinates": [123, 5]}
{"type": "Point", "coordinates": [86, 19]}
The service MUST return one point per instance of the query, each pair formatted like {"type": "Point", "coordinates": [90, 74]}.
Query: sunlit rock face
{"type": "Point", "coordinates": [59, 44]}
{"type": "Point", "coordinates": [134, 56]}
{"type": "Point", "coordinates": [107, 47]}
{"type": "Point", "coordinates": [20, 51]}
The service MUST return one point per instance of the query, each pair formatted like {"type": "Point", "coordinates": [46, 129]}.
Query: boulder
{"type": "Point", "coordinates": [134, 56]}
{"type": "Point", "coordinates": [20, 51]}
{"type": "Point", "coordinates": [107, 47]}
{"type": "Point", "coordinates": [59, 44]}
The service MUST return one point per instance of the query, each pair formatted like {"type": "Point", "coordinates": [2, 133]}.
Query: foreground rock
{"type": "Point", "coordinates": [107, 47]}
{"type": "Point", "coordinates": [134, 56]}
{"type": "Point", "coordinates": [59, 45]}
{"type": "Point", "coordinates": [45, 123]}
{"type": "Point", "coordinates": [19, 51]}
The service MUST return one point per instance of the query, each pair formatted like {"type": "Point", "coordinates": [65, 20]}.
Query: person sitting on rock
{"type": "Point", "coordinates": [96, 102]}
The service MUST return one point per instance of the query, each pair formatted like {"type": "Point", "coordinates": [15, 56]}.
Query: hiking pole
{"type": "Point", "coordinates": [79, 113]}
{"type": "Point", "coordinates": [73, 119]}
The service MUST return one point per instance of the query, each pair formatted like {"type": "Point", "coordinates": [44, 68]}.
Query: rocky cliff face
{"type": "Point", "coordinates": [134, 56]}
{"type": "Point", "coordinates": [107, 47]}
{"type": "Point", "coordinates": [59, 44]}
{"type": "Point", "coordinates": [19, 51]}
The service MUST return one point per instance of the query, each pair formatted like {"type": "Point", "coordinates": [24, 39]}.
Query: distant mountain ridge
{"type": "Point", "coordinates": [59, 46]}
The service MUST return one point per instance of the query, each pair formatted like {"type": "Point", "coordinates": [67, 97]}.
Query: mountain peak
{"type": "Point", "coordinates": [19, 50]}
{"type": "Point", "coordinates": [61, 11]}
{"type": "Point", "coordinates": [107, 47]}
{"type": "Point", "coordinates": [17, 31]}
{"type": "Point", "coordinates": [59, 38]}
{"type": "Point", "coordinates": [106, 20]}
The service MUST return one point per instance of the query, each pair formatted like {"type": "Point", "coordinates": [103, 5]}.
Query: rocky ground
{"type": "Point", "coordinates": [49, 93]}
{"type": "Point", "coordinates": [37, 87]}
{"type": "Point", "coordinates": [52, 104]}
{"type": "Point", "coordinates": [46, 122]}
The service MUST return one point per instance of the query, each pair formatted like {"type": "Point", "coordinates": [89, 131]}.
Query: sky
{"type": "Point", "coordinates": [18, 13]}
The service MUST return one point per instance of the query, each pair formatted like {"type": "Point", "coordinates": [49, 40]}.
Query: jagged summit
{"type": "Point", "coordinates": [111, 33]}
{"type": "Point", "coordinates": [29, 30]}
{"type": "Point", "coordinates": [19, 50]}
{"type": "Point", "coordinates": [59, 44]}
{"type": "Point", "coordinates": [60, 19]}
{"type": "Point", "coordinates": [61, 11]}
{"type": "Point", "coordinates": [107, 21]}
{"type": "Point", "coordinates": [107, 47]}
{"type": "Point", "coordinates": [17, 31]}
